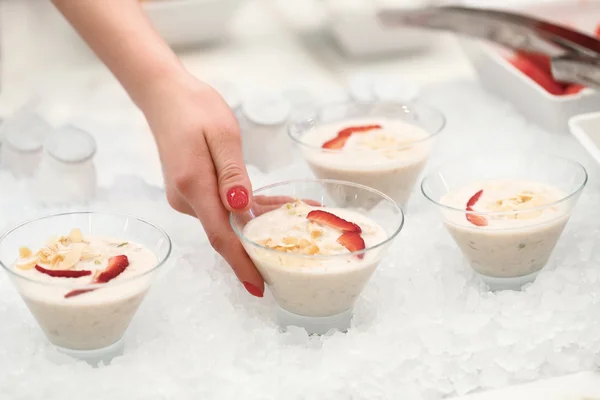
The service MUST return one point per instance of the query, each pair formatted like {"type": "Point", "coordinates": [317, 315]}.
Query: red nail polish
{"type": "Point", "coordinates": [237, 197]}
{"type": "Point", "coordinates": [253, 290]}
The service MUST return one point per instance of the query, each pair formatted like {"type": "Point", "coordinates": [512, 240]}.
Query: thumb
{"type": "Point", "coordinates": [235, 188]}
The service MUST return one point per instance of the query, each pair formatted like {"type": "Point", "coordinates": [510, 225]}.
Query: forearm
{"type": "Point", "coordinates": [120, 34]}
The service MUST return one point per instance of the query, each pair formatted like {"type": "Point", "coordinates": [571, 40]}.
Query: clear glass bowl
{"type": "Point", "coordinates": [393, 169]}
{"type": "Point", "coordinates": [319, 285]}
{"type": "Point", "coordinates": [98, 318]}
{"type": "Point", "coordinates": [515, 245]}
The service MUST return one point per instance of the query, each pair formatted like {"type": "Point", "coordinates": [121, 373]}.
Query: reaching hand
{"type": "Point", "coordinates": [199, 143]}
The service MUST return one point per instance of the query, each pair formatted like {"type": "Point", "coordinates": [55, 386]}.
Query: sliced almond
{"type": "Point", "coordinates": [73, 256]}
{"type": "Point", "coordinates": [76, 236]}
{"type": "Point", "coordinates": [56, 259]}
{"type": "Point", "coordinates": [312, 250]}
{"type": "Point", "coordinates": [290, 240]}
{"type": "Point", "coordinates": [287, 246]}
{"type": "Point", "coordinates": [265, 242]}
{"type": "Point", "coordinates": [304, 243]}
{"type": "Point", "coordinates": [24, 252]}
{"type": "Point", "coordinates": [317, 233]}
{"type": "Point", "coordinates": [27, 263]}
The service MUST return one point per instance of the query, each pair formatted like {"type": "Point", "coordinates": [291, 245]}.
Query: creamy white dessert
{"type": "Point", "coordinates": [308, 267]}
{"type": "Point", "coordinates": [389, 157]}
{"type": "Point", "coordinates": [76, 317]}
{"type": "Point", "coordinates": [517, 239]}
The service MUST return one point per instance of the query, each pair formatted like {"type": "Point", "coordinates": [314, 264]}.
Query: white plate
{"type": "Point", "coordinates": [581, 386]}
{"type": "Point", "coordinates": [188, 22]}
{"type": "Point", "coordinates": [586, 128]}
{"type": "Point", "coordinates": [498, 76]}
{"type": "Point", "coordinates": [358, 32]}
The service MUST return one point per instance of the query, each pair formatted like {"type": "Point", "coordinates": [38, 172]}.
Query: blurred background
{"type": "Point", "coordinates": [264, 56]}
{"type": "Point", "coordinates": [328, 38]}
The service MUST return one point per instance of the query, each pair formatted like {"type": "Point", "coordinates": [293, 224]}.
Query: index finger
{"type": "Point", "coordinates": [203, 196]}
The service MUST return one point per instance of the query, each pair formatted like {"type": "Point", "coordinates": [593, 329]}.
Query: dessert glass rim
{"type": "Point", "coordinates": [404, 105]}
{"type": "Point", "coordinates": [65, 282]}
{"type": "Point", "coordinates": [563, 199]}
{"type": "Point", "coordinates": [389, 239]}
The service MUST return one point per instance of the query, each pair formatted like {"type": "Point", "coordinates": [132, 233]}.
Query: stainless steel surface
{"type": "Point", "coordinates": [575, 55]}
{"type": "Point", "coordinates": [577, 68]}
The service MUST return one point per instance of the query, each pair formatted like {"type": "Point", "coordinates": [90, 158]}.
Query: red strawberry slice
{"type": "Point", "coordinates": [116, 265]}
{"type": "Point", "coordinates": [540, 60]}
{"type": "Point", "coordinates": [473, 200]}
{"type": "Point", "coordinates": [339, 141]}
{"type": "Point", "coordinates": [597, 31]}
{"type": "Point", "coordinates": [63, 273]}
{"type": "Point", "coordinates": [476, 220]}
{"type": "Point", "coordinates": [326, 218]}
{"type": "Point", "coordinates": [538, 75]}
{"type": "Point", "coordinates": [336, 143]}
{"type": "Point", "coordinates": [574, 89]}
{"type": "Point", "coordinates": [77, 292]}
{"type": "Point", "coordinates": [347, 132]}
{"type": "Point", "coordinates": [353, 242]}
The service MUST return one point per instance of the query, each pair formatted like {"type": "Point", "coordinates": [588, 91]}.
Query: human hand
{"type": "Point", "coordinates": [199, 143]}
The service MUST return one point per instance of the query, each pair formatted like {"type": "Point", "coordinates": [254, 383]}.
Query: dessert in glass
{"type": "Point", "coordinates": [316, 255]}
{"type": "Point", "coordinates": [83, 275]}
{"type": "Point", "coordinates": [506, 211]}
{"type": "Point", "coordinates": [384, 145]}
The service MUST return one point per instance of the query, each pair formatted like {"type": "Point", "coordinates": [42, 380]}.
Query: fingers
{"type": "Point", "coordinates": [199, 187]}
{"type": "Point", "coordinates": [225, 148]}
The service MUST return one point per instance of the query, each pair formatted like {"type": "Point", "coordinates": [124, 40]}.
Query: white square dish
{"type": "Point", "coordinates": [580, 386]}
{"type": "Point", "coordinates": [500, 77]}
{"type": "Point", "coordinates": [187, 22]}
{"type": "Point", "coordinates": [586, 128]}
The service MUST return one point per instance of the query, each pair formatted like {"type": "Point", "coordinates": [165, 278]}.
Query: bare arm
{"type": "Point", "coordinates": [196, 133]}
{"type": "Point", "coordinates": [121, 35]}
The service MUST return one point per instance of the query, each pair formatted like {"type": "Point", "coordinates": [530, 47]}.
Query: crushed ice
{"type": "Point", "coordinates": [424, 328]}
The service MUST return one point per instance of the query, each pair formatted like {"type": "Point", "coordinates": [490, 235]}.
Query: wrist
{"type": "Point", "coordinates": [154, 83]}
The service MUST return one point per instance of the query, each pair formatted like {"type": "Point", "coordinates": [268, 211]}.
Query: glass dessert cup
{"type": "Point", "coordinates": [391, 164]}
{"type": "Point", "coordinates": [91, 324]}
{"type": "Point", "coordinates": [509, 240]}
{"type": "Point", "coordinates": [317, 291]}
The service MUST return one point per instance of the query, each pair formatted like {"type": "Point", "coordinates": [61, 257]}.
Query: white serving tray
{"type": "Point", "coordinates": [498, 76]}
{"type": "Point", "coordinates": [188, 22]}
{"type": "Point", "coordinates": [586, 128]}
{"type": "Point", "coordinates": [580, 386]}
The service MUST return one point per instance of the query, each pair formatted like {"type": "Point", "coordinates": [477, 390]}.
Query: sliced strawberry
{"type": "Point", "coordinates": [77, 292]}
{"type": "Point", "coordinates": [116, 265]}
{"type": "Point", "coordinates": [538, 75]}
{"type": "Point", "coordinates": [347, 132]}
{"type": "Point", "coordinates": [476, 220]}
{"type": "Point", "coordinates": [574, 89]}
{"type": "Point", "coordinates": [337, 142]}
{"type": "Point", "coordinates": [597, 31]}
{"type": "Point", "coordinates": [326, 218]}
{"type": "Point", "coordinates": [63, 273]}
{"type": "Point", "coordinates": [473, 200]}
{"type": "Point", "coordinates": [340, 140]}
{"type": "Point", "coordinates": [540, 60]}
{"type": "Point", "coordinates": [353, 242]}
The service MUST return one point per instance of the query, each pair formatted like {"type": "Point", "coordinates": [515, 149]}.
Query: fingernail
{"type": "Point", "coordinates": [237, 197]}
{"type": "Point", "coordinates": [253, 290]}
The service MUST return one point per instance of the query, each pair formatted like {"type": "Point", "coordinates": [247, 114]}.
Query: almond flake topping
{"type": "Point", "coordinates": [62, 252]}
{"type": "Point", "coordinates": [290, 244]}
